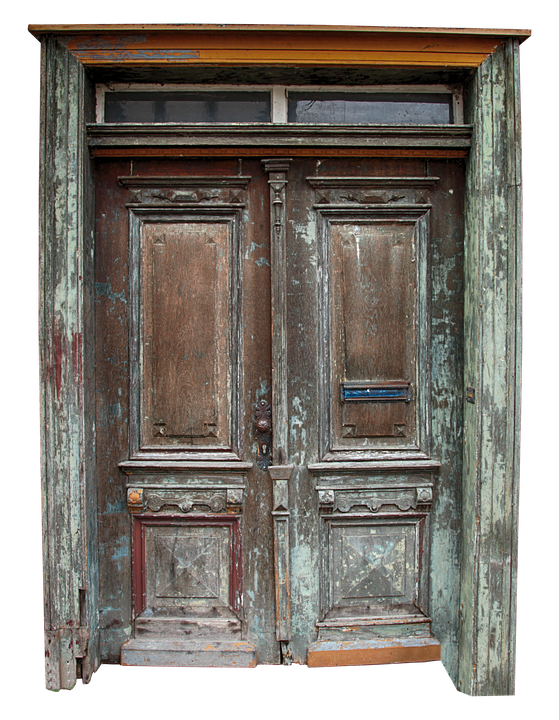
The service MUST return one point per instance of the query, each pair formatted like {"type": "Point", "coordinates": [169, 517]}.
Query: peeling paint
{"type": "Point", "coordinates": [105, 290]}
{"type": "Point", "coordinates": [131, 55]}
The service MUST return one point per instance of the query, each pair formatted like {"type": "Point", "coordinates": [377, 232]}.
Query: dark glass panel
{"type": "Point", "coordinates": [188, 107]}
{"type": "Point", "coordinates": [371, 108]}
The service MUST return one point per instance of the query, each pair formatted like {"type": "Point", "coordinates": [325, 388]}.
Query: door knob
{"type": "Point", "coordinates": [263, 426]}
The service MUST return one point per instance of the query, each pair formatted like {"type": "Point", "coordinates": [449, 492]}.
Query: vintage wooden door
{"type": "Point", "coordinates": [278, 368]}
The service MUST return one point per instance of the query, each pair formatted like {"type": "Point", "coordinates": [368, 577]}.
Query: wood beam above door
{"type": "Point", "coordinates": [252, 45]}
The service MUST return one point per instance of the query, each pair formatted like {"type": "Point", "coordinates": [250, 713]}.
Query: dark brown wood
{"type": "Point", "coordinates": [180, 204]}
{"type": "Point", "coordinates": [184, 203]}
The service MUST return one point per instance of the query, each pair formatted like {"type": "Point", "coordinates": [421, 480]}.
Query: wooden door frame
{"type": "Point", "coordinates": [493, 204]}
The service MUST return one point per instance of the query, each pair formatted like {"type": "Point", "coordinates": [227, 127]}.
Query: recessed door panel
{"type": "Point", "coordinates": [373, 329]}
{"type": "Point", "coordinates": [185, 350]}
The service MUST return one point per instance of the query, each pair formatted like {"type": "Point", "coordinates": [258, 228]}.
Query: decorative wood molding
{"type": "Point", "coordinates": [355, 588]}
{"type": "Point", "coordinates": [375, 466]}
{"type": "Point", "coordinates": [187, 191]}
{"type": "Point", "coordinates": [214, 500]}
{"type": "Point", "coordinates": [277, 170]}
{"type": "Point", "coordinates": [179, 466]}
{"type": "Point", "coordinates": [359, 501]}
{"type": "Point", "coordinates": [188, 531]}
{"type": "Point", "coordinates": [269, 140]}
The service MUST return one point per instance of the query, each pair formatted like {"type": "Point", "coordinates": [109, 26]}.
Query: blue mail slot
{"type": "Point", "coordinates": [376, 392]}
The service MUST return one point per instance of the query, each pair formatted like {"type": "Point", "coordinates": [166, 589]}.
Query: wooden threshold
{"type": "Point", "coordinates": [330, 653]}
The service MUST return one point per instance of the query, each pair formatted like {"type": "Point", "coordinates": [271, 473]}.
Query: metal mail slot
{"type": "Point", "coordinates": [376, 392]}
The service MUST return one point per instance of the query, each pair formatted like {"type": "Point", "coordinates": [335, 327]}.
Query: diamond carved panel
{"type": "Point", "coordinates": [372, 564]}
{"type": "Point", "coordinates": [189, 565]}
{"type": "Point", "coordinates": [186, 567]}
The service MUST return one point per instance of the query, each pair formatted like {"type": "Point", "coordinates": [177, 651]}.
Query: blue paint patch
{"type": "Point", "coordinates": [105, 290]}
{"type": "Point", "coordinates": [115, 508]}
{"type": "Point", "coordinates": [114, 411]}
{"type": "Point", "coordinates": [116, 55]}
{"type": "Point", "coordinates": [120, 552]}
{"type": "Point", "coordinates": [373, 393]}
{"type": "Point", "coordinates": [109, 43]}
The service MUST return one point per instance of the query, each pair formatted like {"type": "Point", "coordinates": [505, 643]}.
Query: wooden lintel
{"type": "Point", "coordinates": [257, 45]}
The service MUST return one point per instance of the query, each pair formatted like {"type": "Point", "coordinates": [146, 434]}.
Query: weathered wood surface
{"type": "Point", "coordinates": [279, 221]}
{"type": "Point", "coordinates": [68, 436]}
{"type": "Point", "coordinates": [479, 650]}
{"type": "Point", "coordinates": [310, 392]}
{"type": "Point", "coordinates": [244, 316]}
{"type": "Point", "coordinates": [492, 368]}
{"type": "Point", "coordinates": [152, 139]}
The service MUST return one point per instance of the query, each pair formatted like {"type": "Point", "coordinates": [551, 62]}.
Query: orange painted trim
{"type": "Point", "coordinates": [137, 45]}
{"type": "Point", "coordinates": [100, 152]}
{"type": "Point", "coordinates": [59, 29]}
{"type": "Point", "coordinates": [355, 655]}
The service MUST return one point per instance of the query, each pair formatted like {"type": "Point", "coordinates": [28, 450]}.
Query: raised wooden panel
{"type": "Point", "coordinates": [373, 325]}
{"type": "Point", "coordinates": [372, 567]}
{"type": "Point", "coordinates": [187, 567]}
{"type": "Point", "coordinates": [373, 236]}
{"type": "Point", "coordinates": [371, 564]}
{"type": "Point", "coordinates": [185, 343]}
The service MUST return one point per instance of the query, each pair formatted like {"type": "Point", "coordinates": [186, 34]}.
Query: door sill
{"type": "Point", "coordinates": [188, 653]}
{"type": "Point", "coordinates": [336, 653]}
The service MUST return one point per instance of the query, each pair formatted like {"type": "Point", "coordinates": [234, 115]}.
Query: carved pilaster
{"type": "Point", "coordinates": [280, 475]}
{"type": "Point", "coordinates": [277, 170]}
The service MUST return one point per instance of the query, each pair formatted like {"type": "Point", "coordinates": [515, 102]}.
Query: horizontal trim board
{"type": "Point", "coordinates": [41, 29]}
{"type": "Point", "coordinates": [100, 152]}
{"type": "Point", "coordinates": [263, 134]}
{"type": "Point", "coordinates": [374, 465]}
{"type": "Point", "coordinates": [175, 140]}
{"type": "Point", "coordinates": [330, 653]}
{"type": "Point", "coordinates": [147, 466]}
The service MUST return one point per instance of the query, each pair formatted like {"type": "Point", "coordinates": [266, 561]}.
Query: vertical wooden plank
{"type": "Point", "coordinates": [255, 384]}
{"type": "Point", "coordinates": [447, 378]}
{"type": "Point", "coordinates": [492, 357]}
{"type": "Point", "coordinates": [303, 338]}
{"type": "Point", "coordinates": [66, 242]}
{"type": "Point", "coordinates": [112, 302]}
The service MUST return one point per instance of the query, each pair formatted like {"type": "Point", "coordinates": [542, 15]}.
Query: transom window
{"type": "Point", "coordinates": [402, 105]}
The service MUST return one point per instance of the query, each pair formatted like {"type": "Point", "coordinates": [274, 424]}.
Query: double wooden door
{"type": "Point", "coordinates": [278, 374]}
